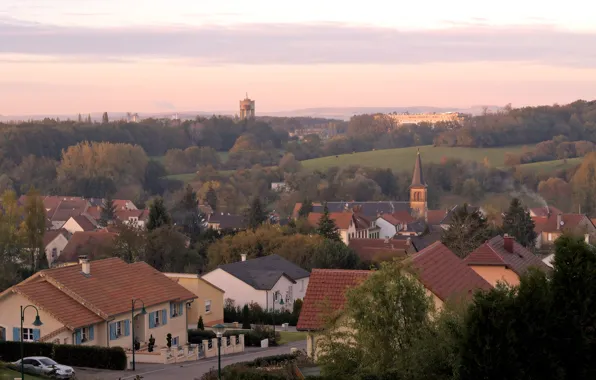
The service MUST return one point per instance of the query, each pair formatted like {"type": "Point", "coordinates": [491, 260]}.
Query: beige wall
{"type": "Point", "coordinates": [494, 274]}
{"type": "Point", "coordinates": [10, 316]}
{"type": "Point", "coordinates": [206, 292]}
{"type": "Point", "coordinates": [59, 243]}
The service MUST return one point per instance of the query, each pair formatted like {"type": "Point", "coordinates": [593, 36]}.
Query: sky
{"type": "Point", "coordinates": [81, 56]}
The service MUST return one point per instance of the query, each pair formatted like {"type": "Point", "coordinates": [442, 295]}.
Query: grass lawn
{"type": "Point", "coordinates": [551, 166]}
{"type": "Point", "coordinates": [288, 337]}
{"type": "Point", "coordinates": [403, 158]}
{"type": "Point", "coordinates": [7, 374]}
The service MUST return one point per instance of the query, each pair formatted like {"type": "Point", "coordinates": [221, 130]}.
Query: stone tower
{"type": "Point", "coordinates": [418, 190]}
{"type": "Point", "coordinates": [247, 108]}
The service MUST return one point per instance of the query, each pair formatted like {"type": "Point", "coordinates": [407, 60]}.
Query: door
{"type": "Point", "coordinates": [2, 334]}
{"type": "Point", "coordinates": [139, 326]}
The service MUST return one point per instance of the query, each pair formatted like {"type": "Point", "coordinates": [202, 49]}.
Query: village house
{"type": "Point", "coordinates": [391, 224]}
{"type": "Point", "coordinates": [93, 244]}
{"type": "Point", "coordinates": [444, 276]}
{"type": "Point", "coordinates": [350, 225]}
{"type": "Point", "coordinates": [226, 221]}
{"type": "Point", "coordinates": [374, 251]}
{"type": "Point", "coordinates": [210, 302]}
{"type": "Point", "coordinates": [137, 218]}
{"type": "Point", "coordinates": [54, 242]}
{"type": "Point", "coordinates": [90, 304]}
{"type": "Point", "coordinates": [264, 280]}
{"type": "Point", "coordinates": [502, 259]}
{"type": "Point", "coordinates": [80, 223]}
{"type": "Point", "coordinates": [550, 223]}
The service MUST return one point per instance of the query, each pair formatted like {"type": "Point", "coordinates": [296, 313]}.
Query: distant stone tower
{"type": "Point", "coordinates": [418, 190]}
{"type": "Point", "coordinates": [247, 108]}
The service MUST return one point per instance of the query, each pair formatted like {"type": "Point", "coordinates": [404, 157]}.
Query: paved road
{"type": "Point", "coordinates": [190, 371]}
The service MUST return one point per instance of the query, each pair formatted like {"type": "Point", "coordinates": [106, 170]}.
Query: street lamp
{"type": "Point", "coordinates": [281, 302]}
{"type": "Point", "coordinates": [219, 330]}
{"type": "Point", "coordinates": [36, 323]}
{"type": "Point", "coordinates": [132, 313]}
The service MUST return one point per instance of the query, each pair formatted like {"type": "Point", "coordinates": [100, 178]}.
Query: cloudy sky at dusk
{"type": "Point", "coordinates": [70, 56]}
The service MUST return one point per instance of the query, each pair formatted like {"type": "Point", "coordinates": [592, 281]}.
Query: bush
{"type": "Point", "coordinates": [90, 356]}
{"type": "Point", "coordinates": [200, 324]}
{"type": "Point", "coordinates": [258, 316]}
{"type": "Point", "coordinates": [11, 351]}
{"type": "Point", "coordinates": [197, 336]}
{"type": "Point", "coordinates": [80, 356]}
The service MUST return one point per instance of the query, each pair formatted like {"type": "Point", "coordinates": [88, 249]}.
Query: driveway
{"type": "Point", "coordinates": [187, 371]}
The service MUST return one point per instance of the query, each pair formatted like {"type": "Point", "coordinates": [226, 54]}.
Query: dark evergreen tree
{"type": "Point", "coordinates": [187, 214]}
{"type": "Point", "coordinates": [467, 231]}
{"type": "Point", "coordinates": [211, 198]}
{"type": "Point", "coordinates": [255, 215]}
{"type": "Point", "coordinates": [158, 215]}
{"type": "Point", "coordinates": [104, 118]}
{"type": "Point", "coordinates": [305, 209]}
{"type": "Point", "coordinates": [519, 224]}
{"type": "Point", "coordinates": [327, 227]}
{"type": "Point", "coordinates": [201, 324]}
{"type": "Point", "coordinates": [108, 211]}
{"type": "Point", "coordinates": [245, 318]}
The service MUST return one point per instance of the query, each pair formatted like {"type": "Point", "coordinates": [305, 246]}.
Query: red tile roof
{"type": "Point", "coordinates": [434, 217]}
{"type": "Point", "coordinates": [550, 224]}
{"type": "Point", "coordinates": [342, 219]}
{"type": "Point", "coordinates": [50, 235]}
{"type": "Point", "coordinates": [445, 274]}
{"type": "Point", "coordinates": [377, 250]}
{"type": "Point", "coordinates": [544, 211]}
{"type": "Point", "coordinates": [124, 215]}
{"type": "Point", "coordinates": [84, 222]}
{"type": "Point", "coordinates": [326, 292]}
{"type": "Point", "coordinates": [90, 243]}
{"type": "Point", "coordinates": [493, 252]}
{"type": "Point", "coordinates": [76, 299]}
{"type": "Point", "coordinates": [399, 217]}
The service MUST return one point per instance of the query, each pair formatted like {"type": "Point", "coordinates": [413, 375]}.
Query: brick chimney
{"type": "Point", "coordinates": [559, 220]}
{"type": "Point", "coordinates": [508, 243]}
{"type": "Point", "coordinates": [85, 265]}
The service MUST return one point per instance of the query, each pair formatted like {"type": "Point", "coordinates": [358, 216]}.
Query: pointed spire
{"type": "Point", "coordinates": [417, 177]}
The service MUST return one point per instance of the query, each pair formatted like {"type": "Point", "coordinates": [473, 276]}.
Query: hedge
{"type": "Point", "coordinates": [80, 356]}
{"type": "Point", "coordinates": [11, 351]}
{"type": "Point", "coordinates": [252, 338]}
{"type": "Point", "coordinates": [250, 370]}
{"type": "Point", "coordinates": [90, 356]}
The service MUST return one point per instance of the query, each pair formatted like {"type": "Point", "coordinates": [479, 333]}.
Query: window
{"type": "Point", "coordinates": [301, 285]}
{"type": "Point", "coordinates": [175, 341]}
{"type": "Point", "coordinates": [208, 306]}
{"type": "Point", "coordinates": [84, 334]}
{"type": "Point", "coordinates": [176, 309]}
{"type": "Point", "coordinates": [54, 252]}
{"type": "Point", "coordinates": [119, 328]}
{"type": "Point", "coordinates": [27, 335]}
{"type": "Point", "coordinates": [156, 319]}
{"type": "Point", "coordinates": [550, 237]}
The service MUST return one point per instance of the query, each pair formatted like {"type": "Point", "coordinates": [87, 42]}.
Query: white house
{"type": "Point", "coordinates": [350, 225]}
{"type": "Point", "coordinates": [260, 280]}
{"type": "Point", "coordinates": [54, 242]}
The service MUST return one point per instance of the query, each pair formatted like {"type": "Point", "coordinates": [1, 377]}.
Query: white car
{"type": "Point", "coordinates": [46, 366]}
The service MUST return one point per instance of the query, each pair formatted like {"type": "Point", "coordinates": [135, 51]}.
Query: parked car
{"type": "Point", "coordinates": [45, 366]}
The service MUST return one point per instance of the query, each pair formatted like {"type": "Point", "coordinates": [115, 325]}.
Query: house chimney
{"type": "Point", "coordinates": [85, 265]}
{"type": "Point", "coordinates": [508, 243]}
{"type": "Point", "coordinates": [243, 256]}
{"type": "Point", "coordinates": [559, 220]}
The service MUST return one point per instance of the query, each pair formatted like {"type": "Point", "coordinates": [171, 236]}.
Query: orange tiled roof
{"type": "Point", "coordinates": [445, 274]}
{"type": "Point", "coordinates": [50, 235]}
{"type": "Point", "coordinates": [377, 250]}
{"type": "Point", "coordinates": [493, 252]}
{"type": "Point", "coordinates": [326, 292]}
{"type": "Point", "coordinates": [434, 217]}
{"type": "Point", "coordinates": [342, 219]}
{"type": "Point", "coordinates": [549, 223]}
{"type": "Point", "coordinates": [91, 242]}
{"type": "Point", "coordinates": [84, 222]}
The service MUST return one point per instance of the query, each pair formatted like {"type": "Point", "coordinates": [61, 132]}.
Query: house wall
{"type": "Point", "coordinates": [286, 288]}
{"type": "Point", "coordinates": [388, 230]}
{"type": "Point", "coordinates": [495, 274]}
{"type": "Point", "coordinates": [205, 292]}
{"type": "Point", "coordinates": [72, 226]}
{"type": "Point", "coordinates": [10, 316]}
{"type": "Point", "coordinates": [236, 289]}
{"type": "Point", "coordinates": [59, 243]}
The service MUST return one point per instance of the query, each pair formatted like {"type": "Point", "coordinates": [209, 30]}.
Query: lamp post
{"type": "Point", "coordinates": [36, 323]}
{"type": "Point", "coordinates": [281, 303]}
{"type": "Point", "coordinates": [219, 329]}
{"type": "Point", "coordinates": [132, 313]}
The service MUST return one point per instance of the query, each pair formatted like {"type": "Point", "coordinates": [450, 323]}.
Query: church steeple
{"type": "Point", "coordinates": [418, 177]}
{"type": "Point", "coordinates": [418, 190]}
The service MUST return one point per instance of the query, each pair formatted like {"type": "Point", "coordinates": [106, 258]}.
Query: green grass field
{"type": "Point", "coordinates": [551, 166]}
{"type": "Point", "coordinates": [289, 337]}
{"type": "Point", "coordinates": [7, 374]}
{"type": "Point", "coordinates": [403, 158]}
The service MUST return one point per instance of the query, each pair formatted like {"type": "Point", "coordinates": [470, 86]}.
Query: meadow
{"type": "Point", "coordinates": [401, 159]}
{"type": "Point", "coordinates": [551, 166]}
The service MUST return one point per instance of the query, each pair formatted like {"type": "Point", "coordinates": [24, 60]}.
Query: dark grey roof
{"type": "Point", "coordinates": [417, 226]}
{"type": "Point", "coordinates": [231, 221]}
{"type": "Point", "coordinates": [369, 209]}
{"type": "Point", "coordinates": [264, 272]}
{"type": "Point", "coordinates": [422, 241]}
{"type": "Point", "coordinates": [418, 177]}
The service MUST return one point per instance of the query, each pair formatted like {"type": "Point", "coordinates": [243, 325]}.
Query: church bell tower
{"type": "Point", "coordinates": [418, 190]}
